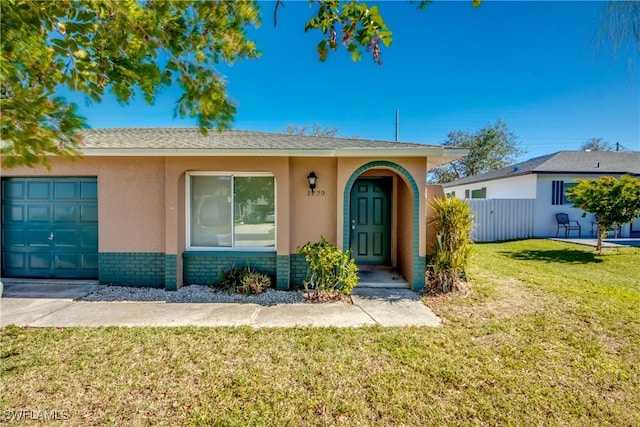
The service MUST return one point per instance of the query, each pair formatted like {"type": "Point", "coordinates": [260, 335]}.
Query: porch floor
{"type": "Point", "coordinates": [381, 278]}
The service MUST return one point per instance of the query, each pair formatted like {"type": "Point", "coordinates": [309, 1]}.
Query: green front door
{"type": "Point", "coordinates": [371, 221]}
{"type": "Point", "coordinates": [50, 227]}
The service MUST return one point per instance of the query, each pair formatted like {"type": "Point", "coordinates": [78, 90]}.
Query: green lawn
{"type": "Point", "coordinates": [549, 335]}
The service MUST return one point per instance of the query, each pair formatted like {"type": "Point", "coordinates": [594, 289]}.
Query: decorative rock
{"type": "Point", "coordinates": [193, 293]}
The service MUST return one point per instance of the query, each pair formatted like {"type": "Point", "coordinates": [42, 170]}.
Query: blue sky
{"type": "Point", "coordinates": [450, 67]}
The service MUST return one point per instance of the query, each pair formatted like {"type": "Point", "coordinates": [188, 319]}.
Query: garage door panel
{"type": "Point", "coordinates": [38, 237]}
{"type": "Point", "coordinates": [88, 212]}
{"type": "Point", "coordinates": [64, 214]}
{"type": "Point", "coordinates": [11, 213]}
{"type": "Point", "coordinates": [89, 190]}
{"type": "Point", "coordinates": [66, 261]}
{"type": "Point", "coordinates": [38, 190]}
{"type": "Point", "coordinates": [65, 190]}
{"type": "Point", "coordinates": [39, 260]}
{"type": "Point", "coordinates": [14, 237]}
{"type": "Point", "coordinates": [14, 260]}
{"type": "Point", "coordinates": [89, 238]}
{"type": "Point", "coordinates": [89, 261]}
{"type": "Point", "coordinates": [65, 238]}
{"type": "Point", "coordinates": [38, 213]}
{"type": "Point", "coordinates": [13, 190]}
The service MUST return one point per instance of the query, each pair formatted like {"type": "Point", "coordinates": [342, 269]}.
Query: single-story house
{"type": "Point", "coordinates": [168, 207]}
{"type": "Point", "coordinates": [546, 179]}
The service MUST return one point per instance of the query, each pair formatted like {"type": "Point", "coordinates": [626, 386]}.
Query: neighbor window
{"type": "Point", "coordinates": [480, 193]}
{"type": "Point", "coordinates": [231, 211]}
{"type": "Point", "coordinates": [559, 192]}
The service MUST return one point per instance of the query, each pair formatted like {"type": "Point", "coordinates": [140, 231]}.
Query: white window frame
{"type": "Point", "coordinates": [232, 248]}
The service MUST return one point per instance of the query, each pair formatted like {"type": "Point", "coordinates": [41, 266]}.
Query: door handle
{"type": "Point", "coordinates": [353, 224]}
{"type": "Point", "coordinates": [51, 236]}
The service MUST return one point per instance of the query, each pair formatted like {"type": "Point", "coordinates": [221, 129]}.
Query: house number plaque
{"type": "Point", "coordinates": [311, 193]}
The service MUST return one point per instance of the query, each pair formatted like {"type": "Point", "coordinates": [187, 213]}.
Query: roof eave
{"type": "Point", "coordinates": [430, 152]}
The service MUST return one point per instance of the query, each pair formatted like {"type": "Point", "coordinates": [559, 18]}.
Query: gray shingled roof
{"type": "Point", "coordinates": [191, 138]}
{"type": "Point", "coordinates": [583, 162]}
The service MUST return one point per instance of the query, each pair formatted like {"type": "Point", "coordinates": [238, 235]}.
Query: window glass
{"type": "Point", "coordinates": [232, 211]}
{"type": "Point", "coordinates": [254, 213]}
{"type": "Point", "coordinates": [211, 211]}
{"type": "Point", "coordinates": [565, 188]}
{"type": "Point", "coordinates": [480, 193]}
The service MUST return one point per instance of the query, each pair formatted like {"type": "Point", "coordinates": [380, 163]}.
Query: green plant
{"type": "Point", "coordinates": [330, 268]}
{"type": "Point", "coordinates": [243, 280]}
{"type": "Point", "coordinates": [253, 282]}
{"type": "Point", "coordinates": [614, 201]}
{"type": "Point", "coordinates": [453, 223]}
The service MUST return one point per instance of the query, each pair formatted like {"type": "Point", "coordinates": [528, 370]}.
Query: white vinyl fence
{"type": "Point", "coordinates": [502, 219]}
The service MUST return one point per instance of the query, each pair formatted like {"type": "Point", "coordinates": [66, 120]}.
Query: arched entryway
{"type": "Point", "coordinates": [381, 219]}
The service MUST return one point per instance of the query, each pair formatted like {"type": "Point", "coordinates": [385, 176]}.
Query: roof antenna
{"type": "Point", "coordinates": [397, 124]}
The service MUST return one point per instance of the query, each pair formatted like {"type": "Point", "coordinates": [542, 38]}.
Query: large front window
{"type": "Point", "coordinates": [231, 211]}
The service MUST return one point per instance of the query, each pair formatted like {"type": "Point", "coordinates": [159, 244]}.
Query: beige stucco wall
{"type": "Point", "coordinates": [405, 231]}
{"type": "Point", "coordinates": [131, 214]}
{"type": "Point", "coordinates": [311, 216]}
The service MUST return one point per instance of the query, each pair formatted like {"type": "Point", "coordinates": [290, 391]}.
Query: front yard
{"type": "Point", "coordinates": [550, 335]}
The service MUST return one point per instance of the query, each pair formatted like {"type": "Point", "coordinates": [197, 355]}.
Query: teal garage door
{"type": "Point", "coordinates": [50, 228]}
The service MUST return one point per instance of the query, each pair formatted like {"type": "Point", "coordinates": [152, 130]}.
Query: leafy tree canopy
{"type": "Point", "coordinates": [597, 144]}
{"type": "Point", "coordinates": [129, 46]}
{"type": "Point", "coordinates": [492, 147]}
{"type": "Point", "coordinates": [614, 201]}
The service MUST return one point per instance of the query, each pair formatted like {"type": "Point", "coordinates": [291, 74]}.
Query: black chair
{"type": "Point", "coordinates": [564, 222]}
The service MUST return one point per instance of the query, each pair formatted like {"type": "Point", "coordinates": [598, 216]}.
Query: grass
{"type": "Point", "coordinates": [548, 336]}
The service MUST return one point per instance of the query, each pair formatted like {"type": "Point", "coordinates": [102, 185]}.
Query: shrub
{"type": "Point", "coordinates": [453, 223]}
{"type": "Point", "coordinates": [330, 268]}
{"type": "Point", "coordinates": [254, 283]}
{"type": "Point", "coordinates": [614, 201]}
{"type": "Point", "coordinates": [243, 280]}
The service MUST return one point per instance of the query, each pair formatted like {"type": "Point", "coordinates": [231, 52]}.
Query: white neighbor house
{"type": "Point", "coordinates": [546, 179]}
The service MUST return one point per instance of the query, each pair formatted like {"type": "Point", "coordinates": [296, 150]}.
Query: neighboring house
{"type": "Point", "coordinates": [168, 206]}
{"type": "Point", "coordinates": [546, 179]}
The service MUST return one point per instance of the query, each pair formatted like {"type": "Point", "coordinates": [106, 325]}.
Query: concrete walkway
{"type": "Point", "coordinates": [54, 304]}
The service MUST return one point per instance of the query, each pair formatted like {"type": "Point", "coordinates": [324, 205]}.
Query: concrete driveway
{"type": "Point", "coordinates": [44, 304]}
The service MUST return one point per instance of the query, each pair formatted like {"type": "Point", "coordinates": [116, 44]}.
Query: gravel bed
{"type": "Point", "coordinates": [193, 293]}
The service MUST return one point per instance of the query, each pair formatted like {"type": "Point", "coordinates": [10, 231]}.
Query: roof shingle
{"type": "Point", "coordinates": [591, 162]}
{"type": "Point", "coordinates": [192, 138]}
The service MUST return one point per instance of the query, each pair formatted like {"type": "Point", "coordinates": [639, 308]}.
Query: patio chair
{"type": "Point", "coordinates": [564, 222]}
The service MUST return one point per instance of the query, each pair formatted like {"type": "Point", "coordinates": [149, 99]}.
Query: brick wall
{"type": "Point", "coordinates": [298, 267]}
{"type": "Point", "coordinates": [132, 269]}
{"type": "Point", "coordinates": [204, 268]}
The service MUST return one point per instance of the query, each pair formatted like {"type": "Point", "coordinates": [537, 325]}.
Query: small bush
{"type": "Point", "coordinates": [330, 268]}
{"type": "Point", "coordinates": [453, 223]}
{"type": "Point", "coordinates": [254, 283]}
{"type": "Point", "coordinates": [243, 280]}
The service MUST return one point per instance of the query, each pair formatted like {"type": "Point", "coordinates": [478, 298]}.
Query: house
{"type": "Point", "coordinates": [546, 180]}
{"type": "Point", "coordinates": [168, 207]}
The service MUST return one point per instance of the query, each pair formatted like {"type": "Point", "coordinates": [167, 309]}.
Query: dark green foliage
{"type": "Point", "coordinates": [491, 148]}
{"type": "Point", "coordinates": [330, 268]}
{"type": "Point", "coordinates": [243, 280]}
